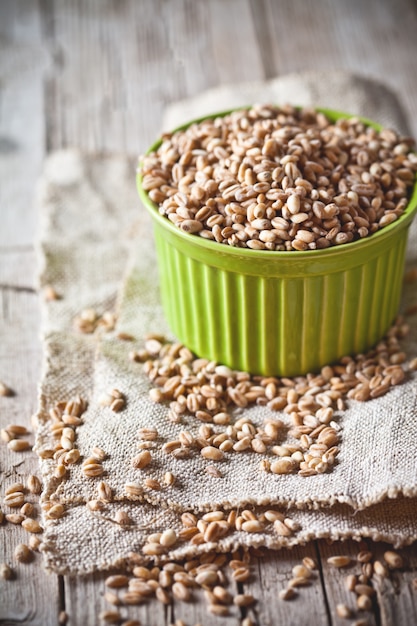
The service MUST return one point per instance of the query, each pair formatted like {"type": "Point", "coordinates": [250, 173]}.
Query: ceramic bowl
{"type": "Point", "coordinates": [279, 313]}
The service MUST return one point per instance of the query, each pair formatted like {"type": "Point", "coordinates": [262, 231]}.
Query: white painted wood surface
{"type": "Point", "coordinates": [97, 74]}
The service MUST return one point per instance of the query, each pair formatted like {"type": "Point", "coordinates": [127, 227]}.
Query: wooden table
{"type": "Point", "coordinates": [97, 74]}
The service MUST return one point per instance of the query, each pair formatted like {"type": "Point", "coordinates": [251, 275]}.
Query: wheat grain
{"type": "Point", "coordinates": [285, 202]}
{"type": "Point", "coordinates": [23, 554]}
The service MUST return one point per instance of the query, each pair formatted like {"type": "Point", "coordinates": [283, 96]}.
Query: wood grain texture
{"type": "Point", "coordinates": [22, 63]}
{"type": "Point", "coordinates": [396, 596]}
{"type": "Point", "coordinates": [97, 74]}
{"type": "Point", "coordinates": [32, 598]}
{"type": "Point", "coordinates": [170, 50]}
{"type": "Point", "coordinates": [18, 268]}
{"type": "Point", "coordinates": [164, 56]}
{"type": "Point", "coordinates": [84, 602]}
{"type": "Point", "coordinates": [372, 38]}
{"type": "Point", "coordinates": [272, 573]}
{"type": "Point", "coordinates": [197, 611]}
{"type": "Point", "coordinates": [334, 580]}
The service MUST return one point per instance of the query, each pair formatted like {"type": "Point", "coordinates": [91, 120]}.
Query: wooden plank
{"type": "Point", "coordinates": [170, 50]}
{"type": "Point", "coordinates": [17, 268]}
{"type": "Point", "coordinates": [235, 50]}
{"type": "Point", "coordinates": [197, 610]}
{"type": "Point", "coordinates": [334, 580]}
{"type": "Point", "coordinates": [84, 602]}
{"type": "Point", "coordinates": [397, 594]}
{"type": "Point", "coordinates": [272, 572]}
{"type": "Point", "coordinates": [125, 87]}
{"type": "Point", "coordinates": [21, 352]}
{"type": "Point", "coordinates": [395, 599]}
{"type": "Point", "coordinates": [22, 63]}
{"type": "Point", "coordinates": [375, 38]}
{"type": "Point", "coordinates": [33, 597]}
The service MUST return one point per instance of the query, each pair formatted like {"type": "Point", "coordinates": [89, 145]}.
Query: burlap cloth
{"type": "Point", "coordinates": [96, 249]}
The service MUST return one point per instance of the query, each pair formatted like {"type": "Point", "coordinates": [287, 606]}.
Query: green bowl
{"type": "Point", "coordinates": [279, 313]}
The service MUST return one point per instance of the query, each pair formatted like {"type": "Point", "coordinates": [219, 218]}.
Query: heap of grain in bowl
{"type": "Point", "coordinates": [280, 178]}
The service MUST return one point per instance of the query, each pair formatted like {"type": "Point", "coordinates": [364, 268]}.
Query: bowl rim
{"type": "Point", "coordinates": [333, 251]}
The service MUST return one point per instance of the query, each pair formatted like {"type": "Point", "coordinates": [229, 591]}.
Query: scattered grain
{"type": "Point", "coordinates": [142, 460]}
{"type": "Point", "coordinates": [300, 571]}
{"type": "Point", "coordinates": [339, 561]}
{"type": "Point", "coordinates": [367, 570]}
{"type": "Point", "coordinates": [364, 603]}
{"type": "Point", "coordinates": [18, 445]}
{"type": "Point", "coordinates": [95, 505]}
{"type": "Point", "coordinates": [244, 599]}
{"type": "Point", "coordinates": [181, 592]}
{"type": "Point", "coordinates": [219, 609]}
{"type": "Point", "coordinates": [56, 511]}
{"type": "Point", "coordinates": [60, 471]}
{"type": "Point", "coordinates": [6, 572]}
{"type": "Point", "coordinates": [14, 518]}
{"type": "Point", "coordinates": [152, 483]}
{"type": "Point", "coordinates": [207, 578]}
{"type": "Point", "coordinates": [393, 559]}
{"type": "Point", "coordinates": [32, 525]}
{"type": "Point", "coordinates": [116, 581]}
{"type": "Point", "coordinates": [163, 596]}
{"type": "Point", "coordinates": [23, 554]}
{"type": "Point", "coordinates": [168, 538]}
{"type": "Point", "coordinates": [350, 582]}
{"type": "Point", "coordinates": [98, 453]}
{"type": "Point", "coordinates": [343, 611]}
{"type": "Point", "coordinates": [5, 390]}
{"type": "Point", "coordinates": [364, 590]}
{"type": "Point", "coordinates": [28, 510]}
{"type": "Point", "coordinates": [287, 594]}
{"type": "Point", "coordinates": [14, 499]}
{"type": "Point", "coordinates": [153, 549]}
{"type": "Point", "coordinates": [211, 453]}
{"type": "Point", "coordinates": [34, 485]}
{"type": "Point", "coordinates": [241, 574]}
{"type": "Point", "coordinates": [17, 430]}
{"type": "Point", "coordinates": [5, 435]}
{"type": "Point", "coordinates": [35, 542]}
{"type": "Point", "coordinates": [114, 399]}
{"type": "Point", "coordinates": [282, 529]}
{"type": "Point", "coordinates": [365, 556]}
{"type": "Point", "coordinates": [253, 526]}
{"type": "Point", "coordinates": [50, 294]}
{"type": "Point", "coordinates": [110, 617]}
{"type": "Point", "coordinates": [309, 562]}
{"type": "Point", "coordinates": [133, 490]}
{"type": "Point", "coordinates": [122, 518]}
{"type": "Point", "coordinates": [105, 492]}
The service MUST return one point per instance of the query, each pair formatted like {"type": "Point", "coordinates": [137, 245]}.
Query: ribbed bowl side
{"type": "Point", "coordinates": [279, 325]}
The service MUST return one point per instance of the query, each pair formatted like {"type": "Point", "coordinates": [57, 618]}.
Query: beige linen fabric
{"type": "Point", "coordinates": [331, 89]}
{"type": "Point", "coordinates": [92, 226]}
